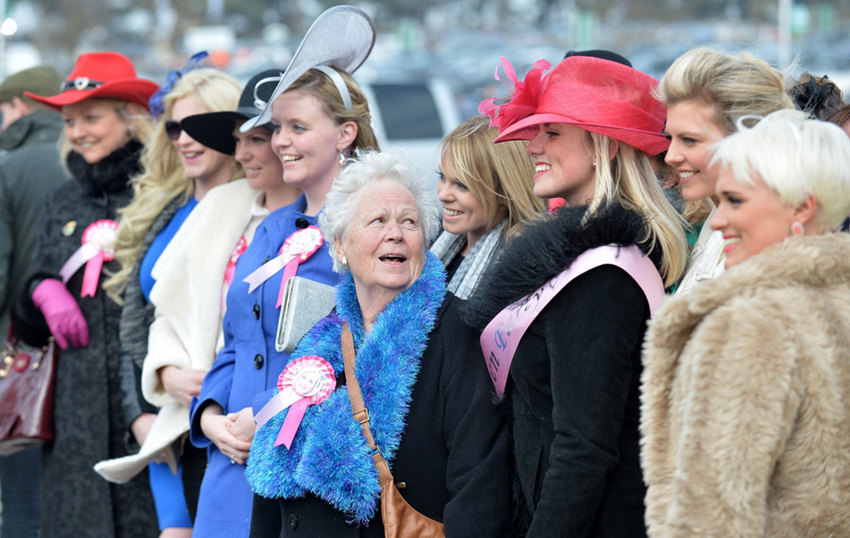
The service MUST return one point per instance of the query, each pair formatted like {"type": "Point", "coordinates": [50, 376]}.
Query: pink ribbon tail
{"type": "Point", "coordinates": [265, 272]}
{"type": "Point", "coordinates": [291, 423]}
{"type": "Point", "coordinates": [278, 403]}
{"type": "Point", "coordinates": [288, 272]}
{"type": "Point", "coordinates": [92, 275]}
{"type": "Point", "coordinates": [77, 259]}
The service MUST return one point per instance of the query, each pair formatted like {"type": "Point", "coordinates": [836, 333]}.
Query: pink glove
{"type": "Point", "coordinates": [61, 313]}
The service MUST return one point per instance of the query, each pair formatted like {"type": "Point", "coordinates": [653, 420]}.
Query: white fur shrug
{"type": "Point", "coordinates": [746, 399]}
{"type": "Point", "coordinates": [186, 331]}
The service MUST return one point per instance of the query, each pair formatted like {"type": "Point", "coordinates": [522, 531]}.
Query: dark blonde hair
{"type": "Point", "coordinates": [498, 175]}
{"type": "Point", "coordinates": [319, 85]}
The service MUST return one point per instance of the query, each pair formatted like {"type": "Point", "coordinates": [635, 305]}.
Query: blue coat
{"type": "Point", "coordinates": [247, 365]}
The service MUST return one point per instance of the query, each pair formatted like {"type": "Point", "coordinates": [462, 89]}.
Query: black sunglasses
{"type": "Point", "coordinates": [173, 129]}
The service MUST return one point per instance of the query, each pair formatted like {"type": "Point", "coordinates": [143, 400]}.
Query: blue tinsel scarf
{"type": "Point", "coordinates": [329, 456]}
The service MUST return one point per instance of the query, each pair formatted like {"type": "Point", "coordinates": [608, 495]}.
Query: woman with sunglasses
{"type": "Point", "coordinates": [178, 172]}
{"type": "Point", "coordinates": [104, 106]}
{"type": "Point", "coordinates": [195, 271]}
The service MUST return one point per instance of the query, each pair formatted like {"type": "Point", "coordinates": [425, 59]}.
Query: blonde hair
{"type": "Point", "coordinates": [136, 118]}
{"type": "Point", "coordinates": [734, 86]}
{"type": "Point", "coordinates": [498, 175]}
{"type": "Point", "coordinates": [629, 179]}
{"type": "Point", "coordinates": [795, 156]}
{"type": "Point", "coordinates": [162, 178]}
{"type": "Point", "coordinates": [319, 85]}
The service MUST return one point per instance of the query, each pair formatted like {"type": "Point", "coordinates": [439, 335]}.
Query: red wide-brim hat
{"type": "Point", "coordinates": [600, 96]}
{"type": "Point", "coordinates": [104, 75]}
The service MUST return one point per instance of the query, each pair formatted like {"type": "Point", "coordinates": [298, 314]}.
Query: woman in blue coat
{"type": "Point", "coordinates": [312, 145]}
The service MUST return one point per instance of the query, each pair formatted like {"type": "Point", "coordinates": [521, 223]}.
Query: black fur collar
{"type": "Point", "coordinates": [545, 249]}
{"type": "Point", "coordinates": [109, 175]}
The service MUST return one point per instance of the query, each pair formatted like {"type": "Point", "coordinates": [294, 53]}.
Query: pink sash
{"type": "Point", "coordinates": [501, 337]}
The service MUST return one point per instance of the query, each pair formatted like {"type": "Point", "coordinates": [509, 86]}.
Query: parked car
{"type": "Point", "coordinates": [413, 117]}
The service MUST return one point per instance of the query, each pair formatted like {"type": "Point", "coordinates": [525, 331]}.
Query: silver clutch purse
{"type": "Point", "coordinates": [304, 303]}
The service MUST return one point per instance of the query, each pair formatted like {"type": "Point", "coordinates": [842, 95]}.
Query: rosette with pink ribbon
{"type": "Point", "coordinates": [297, 248]}
{"type": "Point", "coordinates": [306, 381]}
{"type": "Point", "coordinates": [97, 242]}
{"type": "Point", "coordinates": [525, 95]}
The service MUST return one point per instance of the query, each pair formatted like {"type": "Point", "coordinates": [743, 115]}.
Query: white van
{"type": "Point", "coordinates": [413, 117]}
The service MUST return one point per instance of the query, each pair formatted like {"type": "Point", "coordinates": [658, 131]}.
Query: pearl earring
{"type": "Point", "coordinates": [341, 158]}
{"type": "Point", "coordinates": [344, 260]}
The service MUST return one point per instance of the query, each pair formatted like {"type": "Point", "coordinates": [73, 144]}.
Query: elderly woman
{"type": "Point", "coordinates": [419, 371]}
{"type": "Point", "coordinates": [745, 419]}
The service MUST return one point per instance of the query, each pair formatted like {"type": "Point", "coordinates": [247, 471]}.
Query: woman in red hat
{"type": "Point", "coordinates": [564, 309]}
{"type": "Point", "coordinates": [105, 109]}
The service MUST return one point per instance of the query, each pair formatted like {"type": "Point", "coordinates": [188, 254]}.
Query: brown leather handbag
{"type": "Point", "coordinates": [400, 519]}
{"type": "Point", "coordinates": [26, 395]}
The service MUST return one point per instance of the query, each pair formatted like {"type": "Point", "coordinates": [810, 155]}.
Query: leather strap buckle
{"type": "Point", "coordinates": [362, 416]}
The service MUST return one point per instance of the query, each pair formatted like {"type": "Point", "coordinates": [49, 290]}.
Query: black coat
{"type": "Point", "coordinates": [90, 423]}
{"type": "Point", "coordinates": [452, 398]}
{"type": "Point", "coordinates": [574, 380]}
{"type": "Point", "coordinates": [28, 172]}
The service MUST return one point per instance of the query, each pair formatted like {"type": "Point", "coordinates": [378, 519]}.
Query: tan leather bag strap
{"type": "Point", "coordinates": [358, 408]}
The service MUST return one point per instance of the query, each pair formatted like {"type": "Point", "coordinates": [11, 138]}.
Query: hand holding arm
{"type": "Point", "coordinates": [181, 383]}
{"type": "Point", "coordinates": [216, 427]}
{"type": "Point", "coordinates": [62, 313]}
{"type": "Point", "coordinates": [243, 425]}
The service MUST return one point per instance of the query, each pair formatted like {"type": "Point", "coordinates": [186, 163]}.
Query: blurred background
{"type": "Point", "coordinates": [433, 61]}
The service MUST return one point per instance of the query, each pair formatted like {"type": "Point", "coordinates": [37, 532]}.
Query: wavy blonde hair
{"type": "Point", "coordinates": [498, 175]}
{"type": "Point", "coordinates": [629, 179]}
{"type": "Point", "coordinates": [162, 178]}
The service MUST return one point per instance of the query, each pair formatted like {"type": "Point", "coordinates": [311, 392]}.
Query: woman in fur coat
{"type": "Point", "coordinates": [745, 418]}
{"type": "Point", "coordinates": [583, 284]}
{"type": "Point", "coordinates": [104, 107]}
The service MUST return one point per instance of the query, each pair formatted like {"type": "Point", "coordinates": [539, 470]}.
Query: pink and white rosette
{"type": "Point", "coordinates": [297, 248]}
{"type": "Point", "coordinates": [97, 242]}
{"type": "Point", "coordinates": [306, 381]}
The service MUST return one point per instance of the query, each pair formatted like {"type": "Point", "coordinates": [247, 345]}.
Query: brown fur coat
{"type": "Point", "coordinates": [746, 399]}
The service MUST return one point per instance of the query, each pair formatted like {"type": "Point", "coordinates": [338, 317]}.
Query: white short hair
{"type": "Point", "coordinates": [369, 167]}
{"type": "Point", "coordinates": [795, 156]}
